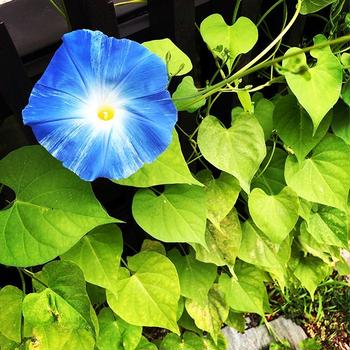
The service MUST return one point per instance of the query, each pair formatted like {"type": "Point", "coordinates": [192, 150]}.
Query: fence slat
{"type": "Point", "coordinates": [103, 17]}
{"type": "Point", "coordinates": [174, 19]}
{"type": "Point", "coordinates": [15, 89]}
{"type": "Point", "coordinates": [94, 15]}
{"type": "Point", "coordinates": [15, 86]}
{"type": "Point", "coordinates": [77, 13]}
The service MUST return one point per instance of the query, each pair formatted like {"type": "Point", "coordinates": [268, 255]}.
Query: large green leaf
{"type": "Point", "coordinates": [223, 241]}
{"type": "Point", "coordinates": [274, 215]}
{"type": "Point", "coordinates": [238, 150]}
{"type": "Point", "coordinates": [221, 194]}
{"type": "Point", "coordinates": [311, 271]}
{"type": "Point", "coordinates": [257, 250]}
{"type": "Point", "coordinates": [317, 88]}
{"type": "Point", "coordinates": [322, 178]}
{"type": "Point", "coordinates": [98, 255]}
{"type": "Point", "coordinates": [295, 128]}
{"type": "Point", "coordinates": [116, 334]}
{"type": "Point", "coordinates": [310, 245]}
{"type": "Point", "coordinates": [11, 299]}
{"type": "Point", "coordinates": [169, 168]}
{"type": "Point", "coordinates": [246, 292]}
{"type": "Point", "coordinates": [64, 302]}
{"type": "Point", "coordinates": [340, 123]}
{"type": "Point", "coordinates": [177, 215]}
{"type": "Point", "coordinates": [177, 61]}
{"type": "Point", "coordinates": [211, 315]}
{"type": "Point", "coordinates": [148, 297]}
{"type": "Point", "coordinates": [329, 226]}
{"type": "Point", "coordinates": [228, 41]}
{"type": "Point", "coordinates": [310, 6]}
{"type": "Point", "coordinates": [53, 208]}
{"type": "Point", "coordinates": [272, 179]}
{"type": "Point", "coordinates": [195, 277]}
{"type": "Point", "coordinates": [182, 94]}
{"type": "Point", "coordinates": [61, 314]}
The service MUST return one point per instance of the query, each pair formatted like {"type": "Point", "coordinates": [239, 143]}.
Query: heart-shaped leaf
{"type": "Point", "coordinates": [53, 208]}
{"type": "Point", "coordinates": [227, 42]}
{"type": "Point", "coordinates": [223, 241]}
{"type": "Point", "coordinates": [180, 209]}
{"type": "Point", "coordinates": [322, 178]}
{"type": "Point", "coordinates": [329, 226]}
{"type": "Point", "coordinates": [311, 271]}
{"type": "Point", "coordinates": [116, 334]}
{"type": "Point", "coordinates": [182, 94]}
{"type": "Point", "coordinates": [221, 194]}
{"type": "Point", "coordinates": [256, 249]}
{"type": "Point", "coordinates": [211, 315]}
{"type": "Point", "coordinates": [317, 88]}
{"type": "Point", "coordinates": [195, 277]}
{"type": "Point", "coordinates": [310, 245]}
{"type": "Point", "coordinates": [61, 314]}
{"type": "Point", "coordinates": [64, 302]}
{"type": "Point", "coordinates": [153, 286]}
{"type": "Point", "coordinates": [274, 215]}
{"type": "Point", "coordinates": [295, 128]}
{"type": "Point", "coordinates": [246, 292]}
{"type": "Point", "coordinates": [169, 168]}
{"type": "Point", "coordinates": [177, 61]}
{"type": "Point", "coordinates": [238, 150]}
{"type": "Point", "coordinates": [98, 255]}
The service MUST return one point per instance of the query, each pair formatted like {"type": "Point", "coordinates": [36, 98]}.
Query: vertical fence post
{"type": "Point", "coordinates": [93, 14]}
{"type": "Point", "coordinates": [77, 13]}
{"type": "Point", "coordinates": [103, 17]}
{"type": "Point", "coordinates": [15, 86]}
{"type": "Point", "coordinates": [175, 19]}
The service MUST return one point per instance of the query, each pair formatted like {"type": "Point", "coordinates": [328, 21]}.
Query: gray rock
{"type": "Point", "coordinates": [259, 338]}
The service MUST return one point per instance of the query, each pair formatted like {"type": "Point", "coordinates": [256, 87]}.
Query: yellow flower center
{"type": "Point", "coordinates": [105, 112]}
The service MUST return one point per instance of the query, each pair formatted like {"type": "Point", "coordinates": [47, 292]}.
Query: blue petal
{"type": "Point", "coordinates": [128, 67]}
{"type": "Point", "coordinates": [47, 104]}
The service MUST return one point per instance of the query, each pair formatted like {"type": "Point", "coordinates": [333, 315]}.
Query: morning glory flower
{"type": "Point", "coordinates": [102, 106]}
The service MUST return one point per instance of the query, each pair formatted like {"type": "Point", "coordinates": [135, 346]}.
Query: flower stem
{"type": "Point", "coordinates": [32, 275]}
{"type": "Point", "coordinates": [240, 74]}
{"type": "Point", "coordinates": [130, 2]}
{"type": "Point", "coordinates": [58, 9]}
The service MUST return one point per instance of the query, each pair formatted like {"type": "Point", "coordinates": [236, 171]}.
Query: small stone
{"type": "Point", "coordinates": [259, 338]}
